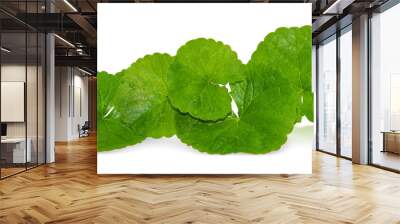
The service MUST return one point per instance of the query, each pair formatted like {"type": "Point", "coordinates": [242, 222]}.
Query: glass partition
{"type": "Point", "coordinates": [41, 91]}
{"type": "Point", "coordinates": [22, 77]}
{"type": "Point", "coordinates": [346, 92]}
{"type": "Point", "coordinates": [31, 100]}
{"type": "Point", "coordinates": [385, 89]}
{"type": "Point", "coordinates": [14, 153]}
{"type": "Point", "coordinates": [327, 95]}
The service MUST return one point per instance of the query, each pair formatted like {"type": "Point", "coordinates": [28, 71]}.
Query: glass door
{"type": "Point", "coordinates": [22, 77]}
{"type": "Point", "coordinates": [32, 98]}
{"type": "Point", "coordinates": [327, 95]}
{"type": "Point", "coordinates": [41, 96]}
{"type": "Point", "coordinates": [385, 90]}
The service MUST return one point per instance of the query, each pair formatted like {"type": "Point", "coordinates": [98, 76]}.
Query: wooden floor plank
{"type": "Point", "coordinates": [70, 191]}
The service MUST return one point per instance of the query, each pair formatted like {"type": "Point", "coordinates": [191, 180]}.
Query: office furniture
{"type": "Point", "coordinates": [84, 130]}
{"type": "Point", "coordinates": [13, 150]}
{"type": "Point", "coordinates": [391, 141]}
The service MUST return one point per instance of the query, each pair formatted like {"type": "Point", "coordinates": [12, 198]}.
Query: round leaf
{"type": "Point", "coordinates": [197, 79]}
{"type": "Point", "coordinates": [112, 131]}
{"type": "Point", "coordinates": [267, 113]}
{"type": "Point", "coordinates": [134, 105]}
{"type": "Point", "coordinates": [288, 51]}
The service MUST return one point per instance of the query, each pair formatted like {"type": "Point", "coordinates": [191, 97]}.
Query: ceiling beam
{"type": "Point", "coordinates": [338, 6]}
{"type": "Point", "coordinates": [81, 61]}
{"type": "Point", "coordinates": [84, 24]}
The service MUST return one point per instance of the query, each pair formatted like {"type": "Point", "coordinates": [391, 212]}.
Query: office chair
{"type": "Point", "coordinates": [84, 130]}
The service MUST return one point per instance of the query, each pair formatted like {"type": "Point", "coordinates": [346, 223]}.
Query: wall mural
{"type": "Point", "coordinates": [208, 98]}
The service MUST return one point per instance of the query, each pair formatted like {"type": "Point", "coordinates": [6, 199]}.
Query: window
{"type": "Point", "coordinates": [327, 95]}
{"type": "Point", "coordinates": [346, 92]}
{"type": "Point", "coordinates": [385, 89]}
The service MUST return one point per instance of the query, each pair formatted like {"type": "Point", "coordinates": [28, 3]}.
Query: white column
{"type": "Point", "coordinates": [50, 100]}
{"type": "Point", "coordinates": [50, 93]}
{"type": "Point", "coordinates": [360, 90]}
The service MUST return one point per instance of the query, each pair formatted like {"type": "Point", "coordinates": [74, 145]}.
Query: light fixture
{"type": "Point", "coordinates": [5, 50]}
{"type": "Point", "coordinates": [70, 5]}
{"type": "Point", "coordinates": [64, 40]}
{"type": "Point", "coordinates": [338, 6]}
{"type": "Point", "coordinates": [84, 71]}
{"type": "Point", "coordinates": [80, 51]}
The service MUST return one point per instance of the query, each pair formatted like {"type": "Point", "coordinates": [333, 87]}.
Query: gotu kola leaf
{"type": "Point", "coordinates": [288, 51]}
{"type": "Point", "coordinates": [273, 92]}
{"type": "Point", "coordinates": [267, 113]}
{"type": "Point", "coordinates": [112, 131]}
{"type": "Point", "coordinates": [140, 102]}
{"type": "Point", "coordinates": [197, 78]}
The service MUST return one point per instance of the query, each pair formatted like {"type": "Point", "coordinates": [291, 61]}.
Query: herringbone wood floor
{"type": "Point", "coordinates": [70, 191]}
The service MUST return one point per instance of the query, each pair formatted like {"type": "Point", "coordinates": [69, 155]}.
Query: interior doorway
{"type": "Point", "coordinates": [75, 104]}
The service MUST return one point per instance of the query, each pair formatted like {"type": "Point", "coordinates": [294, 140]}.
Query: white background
{"type": "Point", "coordinates": [127, 32]}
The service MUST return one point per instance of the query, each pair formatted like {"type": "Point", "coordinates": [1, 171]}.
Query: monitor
{"type": "Point", "coordinates": [3, 129]}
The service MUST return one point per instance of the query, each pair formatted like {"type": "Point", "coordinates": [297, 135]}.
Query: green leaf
{"type": "Point", "coordinates": [143, 96]}
{"type": "Point", "coordinates": [267, 113]}
{"type": "Point", "coordinates": [197, 79]}
{"type": "Point", "coordinates": [112, 131]}
{"type": "Point", "coordinates": [288, 51]}
{"type": "Point", "coordinates": [308, 105]}
{"type": "Point", "coordinates": [160, 95]}
{"type": "Point", "coordinates": [140, 103]}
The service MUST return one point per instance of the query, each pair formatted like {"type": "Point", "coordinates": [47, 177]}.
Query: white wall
{"type": "Point", "coordinates": [80, 89]}
{"type": "Point", "coordinates": [14, 72]}
{"type": "Point", "coordinates": [62, 82]}
{"type": "Point", "coordinates": [70, 83]}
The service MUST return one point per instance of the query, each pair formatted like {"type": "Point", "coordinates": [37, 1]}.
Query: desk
{"type": "Point", "coordinates": [391, 141]}
{"type": "Point", "coordinates": [15, 148]}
